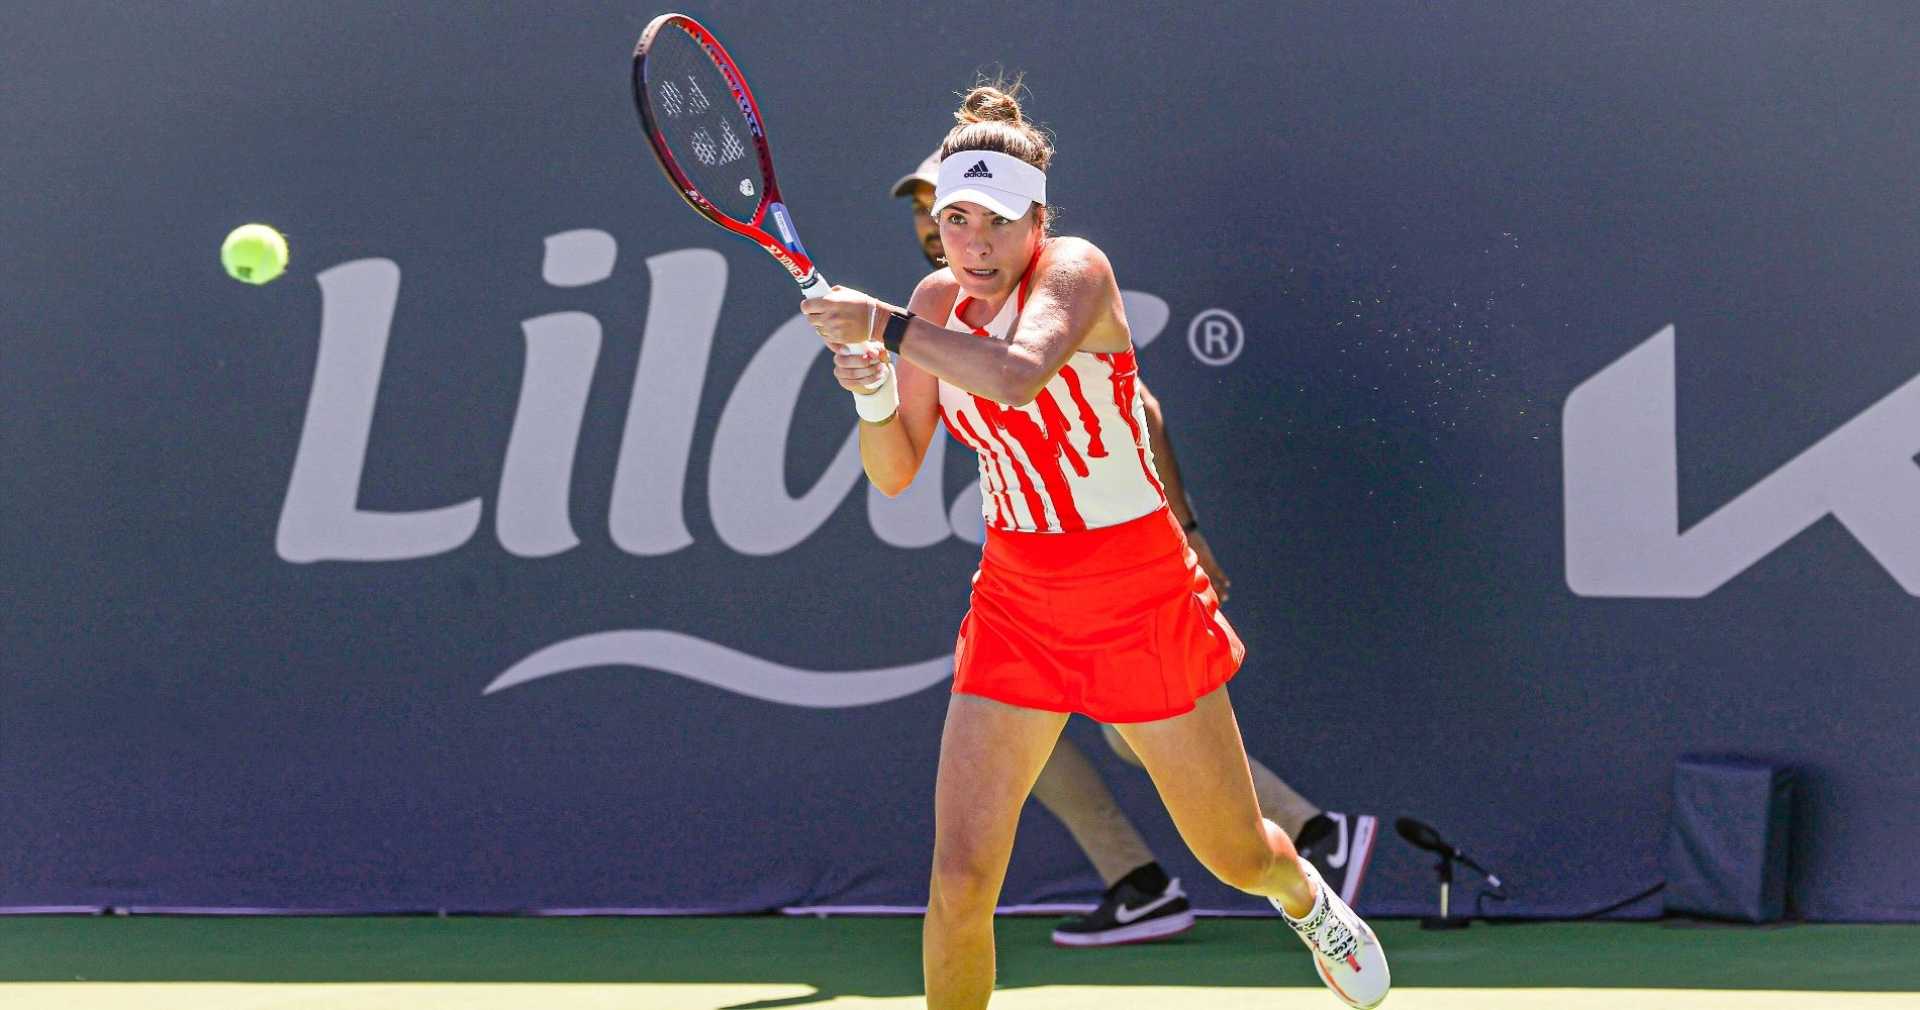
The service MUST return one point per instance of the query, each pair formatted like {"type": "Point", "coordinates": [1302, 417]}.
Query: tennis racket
{"type": "Point", "coordinates": [706, 131]}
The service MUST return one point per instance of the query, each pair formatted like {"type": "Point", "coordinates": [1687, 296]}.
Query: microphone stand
{"type": "Point", "coordinates": [1422, 836]}
{"type": "Point", "coordinates": [1443, 867]}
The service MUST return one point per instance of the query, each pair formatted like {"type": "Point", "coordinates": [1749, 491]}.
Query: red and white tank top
{"type": "Point", "coordinates": [1076, 458]}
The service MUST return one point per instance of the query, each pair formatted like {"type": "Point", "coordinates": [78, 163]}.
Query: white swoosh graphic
{"type": "Point", "coordinates": [727, 669]}
{"type": "Point", "coordinates": [1127, 915]}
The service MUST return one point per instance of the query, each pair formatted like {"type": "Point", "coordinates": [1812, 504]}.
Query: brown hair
{"type": "Point", "coordinates": [989, 119]}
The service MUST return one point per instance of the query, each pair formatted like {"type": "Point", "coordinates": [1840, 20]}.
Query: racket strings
{"type": "Point", "coordinates": [703, 126]}
{"type": "Point", "coordinates": [698, 98]}
{"type": "Point", "coordinates": [731, 149]}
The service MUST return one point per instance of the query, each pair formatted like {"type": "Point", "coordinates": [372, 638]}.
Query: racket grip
{"type": "Point", "coordinates": [879, 401]}
{"type": "Point", "coordinates": [815, 286]}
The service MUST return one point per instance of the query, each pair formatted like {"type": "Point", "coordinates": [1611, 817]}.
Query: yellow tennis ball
{"type": "Point", "coordinates": [254, 253]}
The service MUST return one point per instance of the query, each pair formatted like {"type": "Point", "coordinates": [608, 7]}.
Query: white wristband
{"type": "Point", "coordinates": [880, 404]}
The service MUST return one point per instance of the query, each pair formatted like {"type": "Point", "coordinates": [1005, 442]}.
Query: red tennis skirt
{"type": "Point", "coordinates": [1117, 623]}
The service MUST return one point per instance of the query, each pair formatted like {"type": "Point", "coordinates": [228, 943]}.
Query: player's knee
{"type": "Point", "coordinates": [964, 878]}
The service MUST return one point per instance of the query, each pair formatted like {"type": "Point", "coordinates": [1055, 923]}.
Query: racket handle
{"type": "Point", "coordinates": [815, 286]}
{"type": "Point", "coordinates": [880, 400]}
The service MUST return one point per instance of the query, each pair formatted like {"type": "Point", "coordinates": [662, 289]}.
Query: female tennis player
{"type": "Point", "coordinates": [1088, 598]}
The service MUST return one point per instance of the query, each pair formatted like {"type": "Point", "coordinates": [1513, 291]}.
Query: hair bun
{"type": "Point", "coordinates": [990, 119]}
{"type": "Point", "coordinates": [989, 104]}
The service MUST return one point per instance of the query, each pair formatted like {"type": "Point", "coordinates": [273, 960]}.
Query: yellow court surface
{"type": "Point", "coordinates": [724, 996]}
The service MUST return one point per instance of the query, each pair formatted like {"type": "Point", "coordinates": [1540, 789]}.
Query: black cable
{"type": "Point", "coordinates": [1622, 903]}
{"type": "Point", "coordinates": [1582, 917]}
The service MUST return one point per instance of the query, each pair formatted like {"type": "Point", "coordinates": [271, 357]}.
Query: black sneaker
{"type": "Point", "coordinates": [1339, 846]}
{"type": "Point", "coordinates": [1129, 914]}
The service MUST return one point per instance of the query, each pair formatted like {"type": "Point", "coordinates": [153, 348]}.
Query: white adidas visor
{"type": "Point", "coordinates": [999, 182]}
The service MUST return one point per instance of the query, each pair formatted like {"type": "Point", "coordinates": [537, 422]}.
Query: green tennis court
{"type": "Point", "coordinates": [748, 963]}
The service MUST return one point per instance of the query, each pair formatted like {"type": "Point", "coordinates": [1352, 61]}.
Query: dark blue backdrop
{"type": "Point", "coordinates": [1434, 224]}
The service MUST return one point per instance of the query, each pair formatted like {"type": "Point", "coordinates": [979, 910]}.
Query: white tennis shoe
{"type": "Point", "coordinates": [1344, 948]}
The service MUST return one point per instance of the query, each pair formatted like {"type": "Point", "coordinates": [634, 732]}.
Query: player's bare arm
{"type": "Point", "coordinates": [891, 451]}
{"type": "Point", "coordinates": [1074, 306]}
{"type": "Point", "coordinates": [1167, 467]}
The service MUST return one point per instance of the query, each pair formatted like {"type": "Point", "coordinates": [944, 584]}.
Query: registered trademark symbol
{"type": "Point", "coordinates": [1215, 337]}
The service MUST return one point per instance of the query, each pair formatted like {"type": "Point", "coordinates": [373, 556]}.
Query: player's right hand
{"type": "Point", "coordinates": [843, 315]}
{"type": "Point", "coordinates": [857, 371]}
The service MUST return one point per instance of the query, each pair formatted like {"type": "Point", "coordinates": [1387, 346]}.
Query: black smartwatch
{"type": "Point", "coordinates": [896, 330]}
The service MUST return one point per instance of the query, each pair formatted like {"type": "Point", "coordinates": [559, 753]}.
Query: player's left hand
{"type": "Point", "coordinates": [844, 316]}
{"type": "Point", "coordinates": [1215, 574]}
{"type": "Point", "coordinates": [857, 370]}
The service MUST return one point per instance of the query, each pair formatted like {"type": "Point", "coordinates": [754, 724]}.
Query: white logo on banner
{"type": "Point", "coordinates": [1622, 488]}
{"type": "Point", "coordinates": [752, 512]}
{"type": "Point", "coordinates": [1216, 337]}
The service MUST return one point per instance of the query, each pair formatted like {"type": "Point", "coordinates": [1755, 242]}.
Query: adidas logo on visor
{"type": "Point", "coordinates": [978, 171]}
